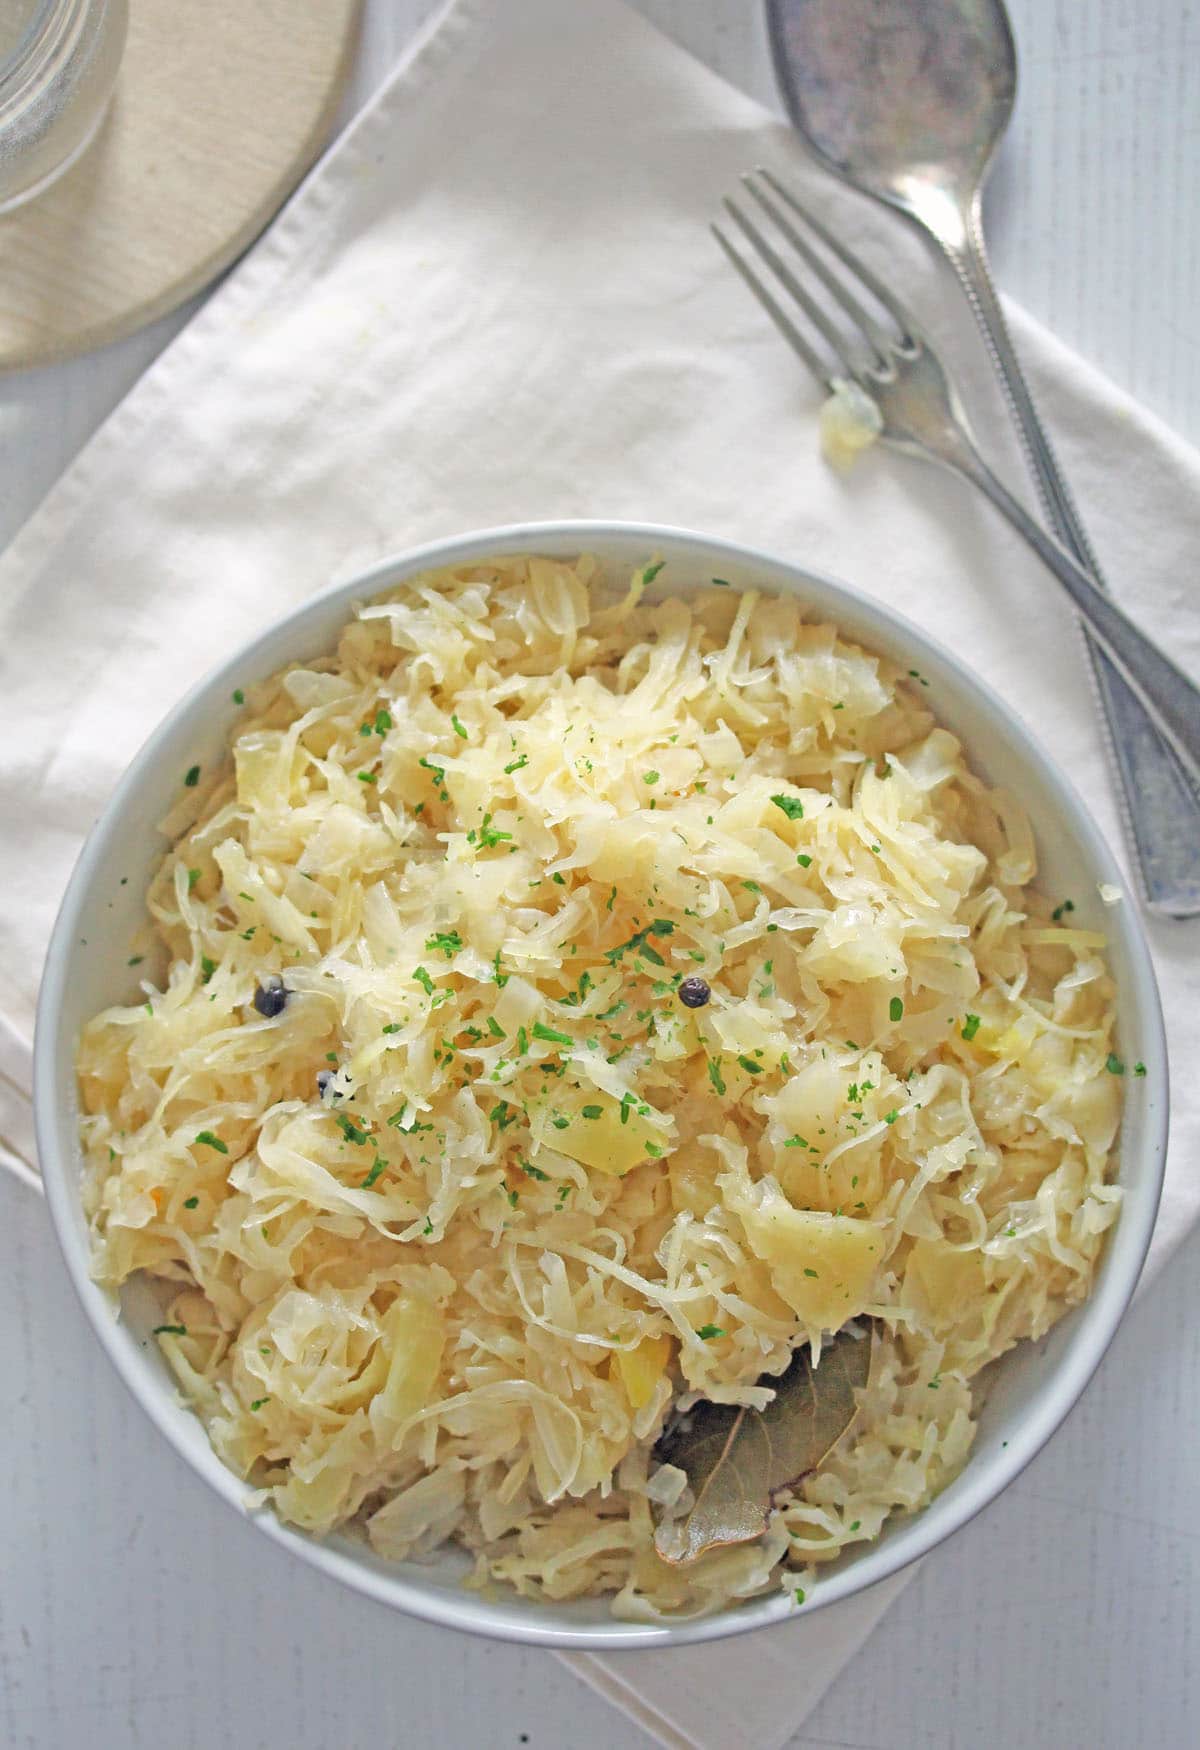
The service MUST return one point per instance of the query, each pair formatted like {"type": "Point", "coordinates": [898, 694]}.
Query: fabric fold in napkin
{"type": "Point", "coordinates": [497, 299]}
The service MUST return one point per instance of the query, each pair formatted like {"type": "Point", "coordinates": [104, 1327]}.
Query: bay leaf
{"type": "Point", "coordinates": [740, 1461]}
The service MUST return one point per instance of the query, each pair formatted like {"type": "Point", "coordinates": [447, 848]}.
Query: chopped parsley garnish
{"type": "Point", "coordinates": [192, 777]}
{"type": "Point", "coordinates": [136, 960]}
{"type": "Point", "coordinates": [560, 1123]}
{"type": "Point", "coordinates": [447, 942]}
{"type": "Point", "coordinates": [790, 805]}
{"type": "Point", "coordinates": [591, 1111]}
{"type": "Point", "coordinates": [383, 721]}
{"type": "Point", "coordinates": [749, 1065]}
{"type": "Point", "coordinates": [207, 968]}
{"type": "Point", "coordinates": [377, 1166]}
{"type": "Point", "coordinates": [191, 1202]}
{"type": "Point", "coordinates": [638, 942]}
{"type": "Point", "coordinates": [650, 572]}
{"type": "Point", "coordinates": [392, 1027]}
{"type": "Point", "coordinates": [800, 1595]}
{"type": "Point", "coordinates": [811, 1273]}
{"type": "Point", "coordinates": [515, 765]}
{"type": "Point", "coordinates": [367, 777]}
{"type": "Point", "coordinates": [210, 1141]}
{"type": "Point", "coordinates": [193, 876]}
{"type": "Point", "coordinates": [970, 1027]}
{"type": "Point", "coordinates": [239, 697]}
{"type": "Point", "coordinates": [895, 1009]}
{"type": "Point", "coordinates": [397, 1118]}
{"type": "Point", "coordinates": [1139, 1068]}
{"type": "Point", "coordinates": [706, 1333]}
{"type": "Point", "coordinates": [503, 1114]}
{"type": "Point", "coordinates": [608, 904]}
{"type": "Point", "coordinates": [722, 583]}
{"type": "Point", "coordinates": [1066, 906]}
{"type": "Point", "coordinates": [796, 1142]}
{"type": "Point", "coordinates": [752, 886]}
{"type": "Point", "coordinates": [650, 777]}
{"type": "Point", "coordinates": [489, 835]}
{"type": "Point", "coordinates": [890, 1117]}
{"type": "Point", "coordinates": [715, 1076]}
{"type": "Point", "coordinates": [549, 1035]}
{"type": "Point", "coordinates": [533, 1172]}
{"type": "Point", "coordinates": [856, 1524]}
{"type": "Point", "coordinates": [350, 1130]}
{"type": "Point", "coordinates": [522, 1042]}
{"type": "Point", "coordinates": [615, 1010]}
{"type": "Point", "coordinates": [170, 1331]}
{"type": "Point", "coordinates": [495, 1029]}
{"type": "Point", "coordinates": [501, 978]}
{"type": "Point", "coordinates": [259, 1402]}
{"type": "Point", "coordinates": [803, 860]}
{"type": "Point", "coordinates": [423, 979]}
{"type": "Point", "coordinates": [1115, 1065]}
{"type": "Point", "coordinates": [457, 726]}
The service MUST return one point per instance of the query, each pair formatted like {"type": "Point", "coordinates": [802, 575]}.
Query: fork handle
{"type": "Point", "coordinates": [1169, 698]}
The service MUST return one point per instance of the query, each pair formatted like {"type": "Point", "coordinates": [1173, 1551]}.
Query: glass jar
{"type": "Point", "coordinates": [58, 67]}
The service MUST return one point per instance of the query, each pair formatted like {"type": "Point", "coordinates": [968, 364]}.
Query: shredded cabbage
{"type": "Point", "coordinates": [444, 1240]}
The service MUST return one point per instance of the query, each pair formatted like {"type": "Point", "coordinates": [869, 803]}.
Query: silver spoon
{"type": "Point", "coordinates": [907, 101]}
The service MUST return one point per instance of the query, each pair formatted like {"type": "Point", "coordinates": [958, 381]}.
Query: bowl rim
{"type": "Point", "coordinates": [521, 1621]}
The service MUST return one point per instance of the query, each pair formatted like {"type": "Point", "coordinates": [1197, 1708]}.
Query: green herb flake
{"type": "Point", "coordinates": [377, 1167]}
{"type": "Point", "coordinates": [650, 572]}
{"type": "Point", "coordinates": [803, 860]}
{"type": "Point", "coordinates": [706, 1333]}
{"type": "Point", "coordinates": [796, 1142]}
{"type": "Point", "coordinates": [457, 726]}
{"type": "Point", "coordinates": [495, 1029]}
{"type": "Point", "coordinates": [722, 583]}
{"type": "Point", "coordinates": [789, 805]}
{"type": "Point", "coordinates": [608, 904]}
{"type": "Point", "coordinates": [534, 1172]}
{"type": "Point", "coordinates": [350, 1130]}
{"type": "Point", "coordinates": [650, 777]}
{"type": "Point", "coordinates": [489, 835]}
{"type": "Point", "coordinates": [1059, 910]}
{"type": "Point", "coordinates": [749, 1065]}
{"type": "Point", "coordinates": [193, 876]}
{"type": "Point", "coordinates": [550, 1035]}
{"type": "Point", "coordinates": [516, 765]}
{"type": "Point", "coordinates": [1114, 1065]}
{"type": "Point", "coordinates": [715, 1076]}
{"type": "Point", "coordinates": [383, 721]}
{"type": "Point", "coordinates": [890, 1117]}
{"type": "Point", "coordinates": [367, 778]}
{"type": "Point", "coordinates": [592, 1112]}
{"type": "Point", "coordinates": [191, 1202]}
{"type": "Point", "coordinates": [560, 1123]}
{"type": "Point", "coordinates": [1139, 1068]}
{"type": "Point", "coordinates": [447, 942]}
{"type": "Point", "coordinates": [811, 1273]}
{"type": "Point", "coordinates": [970, 1027]}
{"type": "Point", "coordinates": [239, 697]}
{"type": "Point", "coordinates": [192, 777]}
{"type": "Point", "coordinates": [895, 1009]}
{"type": "Point", "coordinates": [423, 979]}
{"type": "Point", "coordinates": [259, 1402]}
{"type": "Point", "coordinates": [208, 1140]}
{"type": "Point", "coordinates": [136, 960]}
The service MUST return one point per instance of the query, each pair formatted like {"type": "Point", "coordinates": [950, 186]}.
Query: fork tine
{"type": "Point", "coordinates": [841, 294]}
{"type": "Point", "coordinates": [783, 272]}
{"type": "Point", "coordinates": [853, 263]}
{"type": "Point", "coordinates": [774, 310]}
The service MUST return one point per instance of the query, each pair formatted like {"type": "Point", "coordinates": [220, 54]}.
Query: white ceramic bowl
{"type": "Point", "coordinates": [1036, 1385]}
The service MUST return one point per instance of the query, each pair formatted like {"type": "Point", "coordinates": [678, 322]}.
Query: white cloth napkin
{"type": "Point", "coordinates": [496, 298]}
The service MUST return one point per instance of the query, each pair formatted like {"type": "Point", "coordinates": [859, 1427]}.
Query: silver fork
{"type": "Point", "coordinates": [922, 415]}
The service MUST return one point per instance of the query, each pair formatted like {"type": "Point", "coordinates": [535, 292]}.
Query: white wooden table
{"type": "Point", "coordinates": [134, 1611]}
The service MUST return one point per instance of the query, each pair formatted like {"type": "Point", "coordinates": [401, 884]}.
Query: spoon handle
{"type": "Point", "coordinates": [1161, 800]}
{"type": "Point", "coordinates": [1169, 699]}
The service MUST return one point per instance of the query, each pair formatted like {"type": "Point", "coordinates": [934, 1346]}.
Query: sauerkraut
{"type": "Point", "coordinates": [452, 1200]}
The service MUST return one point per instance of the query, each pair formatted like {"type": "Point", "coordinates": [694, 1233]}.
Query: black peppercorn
{"type": "Point", "coordinates": [694, 992]}
{"type": "Point", "coordinates": [270, 999]}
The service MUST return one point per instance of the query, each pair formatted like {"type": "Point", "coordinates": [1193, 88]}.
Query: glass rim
{"type": "Point", "coordinates": [38, 46]}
